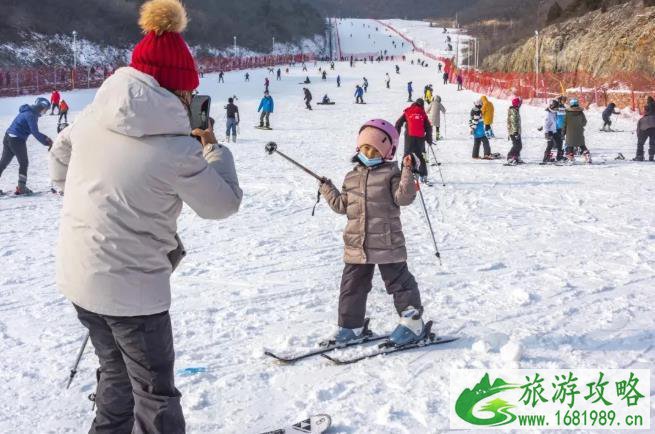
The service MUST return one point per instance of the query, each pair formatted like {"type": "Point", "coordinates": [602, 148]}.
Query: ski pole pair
{"type": "Point", "coordinates": [271, 148]}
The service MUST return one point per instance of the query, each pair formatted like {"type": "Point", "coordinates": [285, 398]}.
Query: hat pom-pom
{"type": "Point", "coordinates": [162, 16]}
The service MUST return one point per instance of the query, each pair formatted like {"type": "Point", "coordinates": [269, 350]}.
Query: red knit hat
{"type": "Point", "coordinates": [162, 53]}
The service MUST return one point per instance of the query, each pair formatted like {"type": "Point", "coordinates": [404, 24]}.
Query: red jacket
{"type": "Point", "coordinates": [417, 121]}
{"type": "Point", "coordinates": [55, 97]}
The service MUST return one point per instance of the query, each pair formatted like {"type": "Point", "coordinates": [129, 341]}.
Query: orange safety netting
{"type": "Point", "coordinates": [31, 81]}
{"type": "Point", "coordinates": [624, 89]}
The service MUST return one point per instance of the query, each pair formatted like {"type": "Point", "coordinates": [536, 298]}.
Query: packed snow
{"type": "Point", "coordinates": [542, 267]}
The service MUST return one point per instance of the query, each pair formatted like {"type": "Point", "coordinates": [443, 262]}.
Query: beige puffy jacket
{"type": "Point", "coordinates": [434, 111]}
{"type": "Point", "coordinates": [371, 198]}
{"type": "Point", "coordinates": [126, 165]}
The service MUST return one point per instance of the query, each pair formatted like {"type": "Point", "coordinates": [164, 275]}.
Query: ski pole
{"type": "Point", "coordinates": [77, 361]}
{"type": "Point", "coordinates": [427, 217]}
{"type": "Point", "coordinates": [437, 163]}
{"type": "Point", "coordinates": [271, 147]}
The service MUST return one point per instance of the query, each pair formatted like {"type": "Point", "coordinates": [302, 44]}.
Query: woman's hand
{"type": "Point", "coordinates": [206, 136]}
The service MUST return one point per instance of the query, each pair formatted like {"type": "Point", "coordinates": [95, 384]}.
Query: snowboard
{"type": "Point", "coordinates": [263, 128]}
{"type": "Point", "coordinates": [313, 425]}
{"type": "Point", "coordinates": [325, 103]}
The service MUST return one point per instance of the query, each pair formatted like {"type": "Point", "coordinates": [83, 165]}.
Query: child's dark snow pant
{"type": "Point", "coordinates": [136, 391]}
{"type": "Point", "coordinates": [14, 146]}
{"type": "Point", "coordinates": [416, 146]}
{"type": "Point", "coordinates": [63, 115]}
{"type": "Point", "coordinates": [476, 146]}
{"type": "Point", "coordinates": [308, 106]}
{"type": "Point", "coordinates": [264, 117]}
{"type": "Point", "coordinates": [517, 145]}
{"type": "Point", "coordinates": [554, 141]}
{"type": "Point", "coordinates": [357, 282]}
{"type": "Point", "coordinates": [642, 136]}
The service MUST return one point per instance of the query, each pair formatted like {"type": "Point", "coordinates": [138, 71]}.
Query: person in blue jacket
{"type": "Point", "coordinates": [476, 125]}
{"type": "Point", "coordinates": [266, 107]}
{"type": "Point", "coordinates": [410, 89]}
{"type": "Point", "coordinates": [15, 140]}
{"type": "Point", "coordinates": [359, 95]}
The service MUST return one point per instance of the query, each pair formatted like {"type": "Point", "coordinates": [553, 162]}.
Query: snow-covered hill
{"type": "Point", "coordinates": [560, 261]}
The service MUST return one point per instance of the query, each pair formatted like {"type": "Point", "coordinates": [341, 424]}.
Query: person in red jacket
{"type": "Point", "coordinates": [54, 102]}
{"type": "Point", "coordinates": [417, 131]}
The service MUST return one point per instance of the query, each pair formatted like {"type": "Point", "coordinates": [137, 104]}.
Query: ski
{"type": "Point", "coordinates": [317, 424]}
{"type": "Point", "coordinates": [387, 348]}
{"type": "Point", "coordinates": [263, 128]}
{"type": "Point", "coordinates": [368, 337]}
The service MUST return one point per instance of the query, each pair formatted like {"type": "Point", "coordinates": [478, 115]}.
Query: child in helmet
{"type": "Point", "coordinates": [607, 117]}
{"type": "Point", "coordinates": [553, 133]}
{"type": "Point", "coordinates": [476, 124]}
{"type": "Point", "coordinates": [574, 124]}
{"type": "Point", "coordinates": [371, 196]}
{"type": "Point", "coordinates": [514, 131]}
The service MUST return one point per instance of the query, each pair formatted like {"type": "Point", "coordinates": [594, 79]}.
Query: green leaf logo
{"type": "Point", "coordinates": [499, 408]}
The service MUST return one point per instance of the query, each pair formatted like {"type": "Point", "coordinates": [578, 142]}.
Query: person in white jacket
{"type": "Point", "coordinates": [434, 114]}
{"type": "Point", "coordinates": [553, 134]}
{"type": "Point", "coordinates": [126, 166]}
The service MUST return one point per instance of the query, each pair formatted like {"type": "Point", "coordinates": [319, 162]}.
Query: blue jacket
{"type": "Point", "coordinates": [359, 91]}
{"type": "Point", "coordinates": [26, 123]}
{"type": "Point", "coordinates": [409, 87]}
{"type": "Point", "coordinates": [266, 104]}
{"type": "Point", "coordinates": [476, 124]}
{"type": "Point", "coordinates": [561, 116]}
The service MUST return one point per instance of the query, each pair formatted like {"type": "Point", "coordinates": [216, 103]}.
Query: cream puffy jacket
{"type": "Point", "coordinates": [126, 165]}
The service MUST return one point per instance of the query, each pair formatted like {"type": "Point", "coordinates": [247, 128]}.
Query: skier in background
{"type": "Point", "coordinates": [247, 76]}
{"type": "Point", "coordinates": [266, 106]}
{"type": "Point", "coordinates": [14, 143]}
{"type": "Point", "coordinates": [279, 74]}
{"type": "Point", "coordinates": [646, 131]}
{"type": "Point", "coordinates": [476, 125]}
{"type": "Point", "coordinates": [388, 81]}
{"type": "Point", "coordinates": [232, 120]}
{"type": "Point", "coordinates": [460, 81]}
{"type": "Point", "coordinates": [308, 98]}
{"type": "Point", "coordinates": [365, 85]}
{"type": "Point", "coordinates": [607, 117]}
{"type": "Point", "coordinates": [63, 111]}
{"type": "Point", "coordinates": [266, 84]}
{"type": "Point", "coordinates": [338, 81]}
{"type": "Point", "coordinates": [410, 89]}
{"type": "Point", "coordinates": [488, 116]}
{"type": "Point", "coordinates": [514, 131]}
{"type": "Point", "coordinates": [553, 133]}
{"type": "Point", "coordinates": [434, 113]}
{"type": "Point", "coordinates": [220, 77]}
{"type": "Point", "coordinates": [445, 77]}
{"type": "Point", "coordinates": [359, 95]}
{"type": "Point", "coordinates": [574, 125]}
{"type": "Point", "coordinates": [373, 192]}
{"type": "Point", "coordinates": [55, 97]}
{"type": "Point", "coordinates": [417, 131]}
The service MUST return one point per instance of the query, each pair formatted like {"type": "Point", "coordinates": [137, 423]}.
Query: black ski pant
{"type": "Point", "coordinates": [15, 147]}
{"type": "Point", "coordinates": [554, 141]}
{"type": "Point", "coordinates": [55, 105]}
{"type": "Point", "coordinates": [517, 144]}
{"type": "Point", "coordinates": [63, 115]}
{"type": "Point", "coordinates": [357, 282]}
{"type": "Point", "coordinates": [484, 141]}
{"type": "Point", "coordinates": [264, 118]}
{"type": "Point", "coordinates": [307, 104]}
{"type": "Point", "coordinates": [416, 146]}
{"type": "Point", "coordinates": [642, 136]}
{"type": "Point", "coordinates": [388, 85]}
{"type": "Point", "coordinates": [359, 100]}
{"type": "Point", "coordinates": [136, 391]}
{"type": "Point", "coordinates": [409, 96]}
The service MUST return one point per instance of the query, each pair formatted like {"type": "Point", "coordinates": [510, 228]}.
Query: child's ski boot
{"type": "Point", "coordinates": [410, 328]}
{"type": "Point", "coordinates": [22, 190]}
{"type": "Point", "coordinates": [345, 336]}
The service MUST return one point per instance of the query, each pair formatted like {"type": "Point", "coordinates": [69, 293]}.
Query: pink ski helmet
{"type": "Point", "coordinates": [383, 136]}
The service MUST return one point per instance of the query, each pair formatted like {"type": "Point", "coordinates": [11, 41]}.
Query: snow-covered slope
{"type": "Point", "coordinates": [559, 260]}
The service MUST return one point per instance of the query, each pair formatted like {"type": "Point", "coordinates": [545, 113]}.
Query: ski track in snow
{"type": "Point", "coordinates": [559, 259]}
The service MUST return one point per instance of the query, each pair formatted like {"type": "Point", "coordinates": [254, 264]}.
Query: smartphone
{"type": "Point", "coordinates": [200, 105]}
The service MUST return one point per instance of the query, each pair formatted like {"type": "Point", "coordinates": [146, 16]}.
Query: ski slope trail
{"type": "Point", "coordinates": [559, 260]}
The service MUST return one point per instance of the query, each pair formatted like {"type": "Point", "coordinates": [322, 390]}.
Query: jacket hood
{"type": "Point", "coordinates": [25, 108]}
{"type": "Point", "coordinates": [574, 110]}
{"type": "Point", "coordinates": [133, 104]}
{"type": "Point", "coordinates": [484, 99]}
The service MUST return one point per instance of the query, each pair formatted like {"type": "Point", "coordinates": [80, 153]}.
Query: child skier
{"type": "Point", "coordinates": [574, 124]}
{"type": "Point", "coordinates": [371, 197]}
{"type": "Point", "coordinates": [410, 89]}
{"type": "Point", "coordinates": [308, 98]}
{"type": "Point", "coordinates": [232, 120]}
{"type": "Point", "coordinates": [388, 81]}
{"type": "Point", "coordinates": [266, 106]}
{"type": "Point", "coordinates": [63, 111]}
{"type": "Point", "coordinates": [359, 95]}
{"type": "Point", "coordinates": [338, 80]}
{"type": "Point", "coordinates": [607, 115]}
{"type": "Point", "coordinates": [553, 133]}
{"type": "Point", "coordinates": [476, 125]}
{"type": "Point", "coordinates": [488, 116]}
{"type": "Point", "coordinates": [514, 131]}
{"type": "Point", "coordinates": [365, 84]}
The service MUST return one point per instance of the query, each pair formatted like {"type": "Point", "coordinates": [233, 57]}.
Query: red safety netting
{"type": "Point", "coordinates": [626, 90]}
{"type": "Point", "coordinates": [33, 81]}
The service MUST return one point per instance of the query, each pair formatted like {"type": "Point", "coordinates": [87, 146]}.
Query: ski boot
{"type": "Point", "coordinates": [587, 157]}
{"type": "Point", "coordinates": [22, 190]}
{"type": "Point", "coordinates": [638, 158]}
{"type": "Point", "coordinates": [345, 336]}
{"type": "Point", "coordinates": [227, 139]}
{"type": "Point", "coordinates": [410, 328]}
{"type": "Point", "coordinates": [234, 138]}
